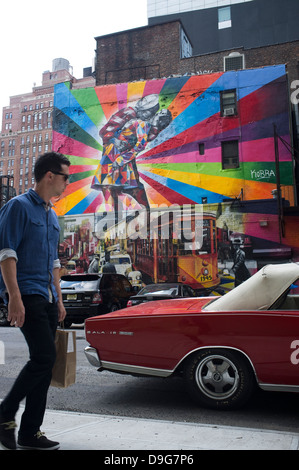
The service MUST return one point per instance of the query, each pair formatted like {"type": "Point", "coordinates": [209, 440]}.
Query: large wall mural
{"type": "Point", "coordinates": [162, 141]}
{"type": "Point", "coordinates": [183, 142]}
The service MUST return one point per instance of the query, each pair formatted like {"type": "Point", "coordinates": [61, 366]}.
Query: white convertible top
{"type": "Point", "coordinates": [260, 291]}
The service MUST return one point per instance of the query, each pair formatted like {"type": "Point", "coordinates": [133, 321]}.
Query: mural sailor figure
{"type": "Point", "coordinates": [124, 136]}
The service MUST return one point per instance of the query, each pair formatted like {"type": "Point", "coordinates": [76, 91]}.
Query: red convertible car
{"type": "Point", "coordinates": [222, 346]}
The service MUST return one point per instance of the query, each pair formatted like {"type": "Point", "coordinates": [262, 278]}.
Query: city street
{"type": "Point", "coordinates": [140, 397]}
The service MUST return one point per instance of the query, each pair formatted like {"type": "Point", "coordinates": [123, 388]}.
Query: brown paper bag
{"type": "Point", "coordinates": [64, 370]}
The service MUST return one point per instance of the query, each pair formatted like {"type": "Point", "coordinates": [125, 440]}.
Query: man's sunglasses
{"type": "Point", "coordinates": [66, 177]}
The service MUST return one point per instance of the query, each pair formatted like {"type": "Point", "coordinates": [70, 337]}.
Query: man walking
{"type": "Point", "coordinates": [29, 280]}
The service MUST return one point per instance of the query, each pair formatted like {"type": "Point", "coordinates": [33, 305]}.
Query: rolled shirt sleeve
{"type": "Point", "coordinates": [56, 263]}
{"type": "Point", "coordinates": [8, 253]}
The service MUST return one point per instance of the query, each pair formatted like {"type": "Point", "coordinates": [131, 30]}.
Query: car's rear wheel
{"type": "Point", "coordinates": [3, 316]}
{"type": "Point", "coordinates": [114, 307]}
{"type": "Point", "coordinates": [219, 378]}
{"type": "Point", "coordinates": [67, 323]}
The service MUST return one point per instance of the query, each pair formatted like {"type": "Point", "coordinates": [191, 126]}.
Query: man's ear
{"type": "Point", "coordinates": [49, 175]}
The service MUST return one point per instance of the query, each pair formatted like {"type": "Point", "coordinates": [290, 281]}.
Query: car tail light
{"type": "Point", "coordinates": [129, 303]}
{"type": "Point", "coordinates": [97, 298]}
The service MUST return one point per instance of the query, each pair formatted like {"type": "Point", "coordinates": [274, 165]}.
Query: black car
{"type": "Point", "coordinates": [88, 295]}
{"type": "Point", "coordinates": [160, 292]}
{"type": "Point", "coordinates": [3, 314]}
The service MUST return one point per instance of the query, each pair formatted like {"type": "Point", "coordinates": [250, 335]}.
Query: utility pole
{"type": "Point", "coordinates": [278, 187]}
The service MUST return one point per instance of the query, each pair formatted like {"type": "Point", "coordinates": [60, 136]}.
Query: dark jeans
{"type": "Point", "coordinates": [34, 380]}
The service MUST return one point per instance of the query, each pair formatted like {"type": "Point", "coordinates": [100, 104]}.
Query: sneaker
{"type": "Point", "coordinates": [7, 433]}
{"type": "Point", "coordinates": [38, 442]}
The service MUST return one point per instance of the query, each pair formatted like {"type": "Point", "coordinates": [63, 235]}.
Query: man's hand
{"type": "Point", "coordinates": [16, 311]}
{"type": "Point", "coordinates": [61, 311]}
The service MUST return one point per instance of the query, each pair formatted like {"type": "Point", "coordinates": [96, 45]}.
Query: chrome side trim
{"type": "Point", "coordinates": [138, 370]}
{"type": "Point", "coordinates": [93, 358]}
{"type": "Point", "coordinates": [279, 388]}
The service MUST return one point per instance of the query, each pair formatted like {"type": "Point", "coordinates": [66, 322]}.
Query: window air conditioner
{"type": "Point", "coordinates": [229, 112]}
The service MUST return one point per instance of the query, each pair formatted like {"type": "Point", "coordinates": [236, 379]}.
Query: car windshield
{"type": "Point", "coordinates": [158, 289]}
{"type": "Point", "coordinates": [79, 282]}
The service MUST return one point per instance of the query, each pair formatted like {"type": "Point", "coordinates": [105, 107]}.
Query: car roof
{"type": "Point", "coordinates": [260, 291]}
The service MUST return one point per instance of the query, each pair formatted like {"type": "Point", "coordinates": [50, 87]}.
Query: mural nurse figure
{"type": "Point", "coordinates": [124, 136]}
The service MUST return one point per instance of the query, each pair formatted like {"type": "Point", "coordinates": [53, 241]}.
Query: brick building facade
{"type": "Point", "coordinates": [155, 52]}
{"type": "Point", "coordinates": [27, 130]}
{"type": "Point", "coordinates": [139, 54]}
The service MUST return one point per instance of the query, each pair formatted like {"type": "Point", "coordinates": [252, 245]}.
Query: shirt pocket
{"type": "Point", "coordinates": [38, 225]}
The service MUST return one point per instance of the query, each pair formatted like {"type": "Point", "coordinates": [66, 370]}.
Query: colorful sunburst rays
{"type": "Point", "coordinates": [170, 167]}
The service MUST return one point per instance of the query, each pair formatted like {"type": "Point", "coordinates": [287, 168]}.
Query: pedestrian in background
{"type": "Point", "coordinates": [29, 282]}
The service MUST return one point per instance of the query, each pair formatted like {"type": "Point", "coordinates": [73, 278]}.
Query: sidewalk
{"type": "Point", "coordinates": [79, 431]}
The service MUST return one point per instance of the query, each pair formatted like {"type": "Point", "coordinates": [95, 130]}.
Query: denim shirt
{"type": "Point", "coordinates": [30, 233]}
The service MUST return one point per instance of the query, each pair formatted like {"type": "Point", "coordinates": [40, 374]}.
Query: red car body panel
{"type": "Point", "coordinates": [159, 335]}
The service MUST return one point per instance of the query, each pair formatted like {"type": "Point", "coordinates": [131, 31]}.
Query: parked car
{"type": "Point", "coordinates": [86, 295]}
{"type": "Point", "coordinates": [161, 291]}
{"type": "Point", "coordinates": [223, 346]}
{"type": "Point", "coordinates": [3, 314]}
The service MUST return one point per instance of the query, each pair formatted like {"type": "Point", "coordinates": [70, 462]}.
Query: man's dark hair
{"type": "Point", "coordinates": [50, 161]}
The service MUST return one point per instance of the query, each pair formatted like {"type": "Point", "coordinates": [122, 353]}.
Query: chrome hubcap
{"type": "Point", "coordinates": [217, 377]}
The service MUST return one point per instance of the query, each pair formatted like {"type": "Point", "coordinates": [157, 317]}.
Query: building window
{"type": "Point", "coordinates": [230, 154]}
{"type": "Point", "coordinates": [228, 103]}
{"type": "Point", "coordinates": [201, 148]}
{"type": "Point", "coordinates": [224, 18]}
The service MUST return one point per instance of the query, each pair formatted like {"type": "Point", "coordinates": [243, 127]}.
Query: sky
{"type": "Point", "coordinates": [33, 33]}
